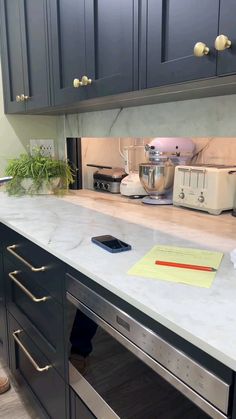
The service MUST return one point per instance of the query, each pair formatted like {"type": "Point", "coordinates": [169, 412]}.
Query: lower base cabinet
{"type": "Point", "coordinates": [3, 329]}
{"type": "Point", "coordinates": [30, 366]}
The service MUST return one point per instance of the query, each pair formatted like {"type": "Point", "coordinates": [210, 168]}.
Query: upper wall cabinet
{"type": "Point", "coordinates": [173, 29]}
{"type": "Point", "coordinates": [94, 48]}
{"type": "Point", "coordinates": [67, 24]}
{"type": "Point", "coordinates": [24, 40]}
{"type": "Point", "coordinates": [112, 46]}
{"type": "Point", "coordinates": [57, 54]}
{"type": "Point", "coordinates": [226, 42]}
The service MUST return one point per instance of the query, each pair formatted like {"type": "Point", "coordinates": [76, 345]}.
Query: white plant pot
{"type": "Point", "coordinates": [45, 188]}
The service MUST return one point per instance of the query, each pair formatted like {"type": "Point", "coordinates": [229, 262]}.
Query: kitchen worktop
{"type": "Point", "coordinates": [64, 226]}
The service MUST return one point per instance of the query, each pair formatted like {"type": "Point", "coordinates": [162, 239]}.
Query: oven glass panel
{"type": "Point", "coordinates": [127, 385]}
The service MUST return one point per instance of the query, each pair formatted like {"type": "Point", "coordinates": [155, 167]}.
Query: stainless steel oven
{"type": "Point", "coordinates": [122, 369]}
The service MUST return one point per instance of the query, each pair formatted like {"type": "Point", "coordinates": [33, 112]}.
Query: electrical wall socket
{"type": "Point", "coordinates": [46, 147]}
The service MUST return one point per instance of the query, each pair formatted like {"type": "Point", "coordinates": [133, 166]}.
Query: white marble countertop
{"type": "Point", "coordinates": [64, 227]}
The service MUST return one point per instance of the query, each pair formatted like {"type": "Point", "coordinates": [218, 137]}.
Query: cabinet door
{"type": "Point", "coordinates": [173, 28]}
{"type": "Point", "coordinates": [11, 55]}
{"type": "Point", "coordinates": [68, 49]}
{"type": "Point", "coordinates": [226, 62]}
{"type": "Point", "coordinates": [35, 53]}
{"type": "Point", "coordinates": [111, 46]}
{"type": "Point", "coordinates": [3, 330]}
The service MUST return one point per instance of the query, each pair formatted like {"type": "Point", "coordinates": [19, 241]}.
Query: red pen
{"type": "Point", "coordinates": [185, 265]}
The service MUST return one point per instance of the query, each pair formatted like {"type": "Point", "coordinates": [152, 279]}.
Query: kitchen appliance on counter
{"type": "Point", "coordinates": [157, 175]}
{"type": "Point", "coordinates": [131, 185]}
{"type": "Point", "coordinates": [209, 188]}
{"type": "Point", "coordinates": [108, 179]}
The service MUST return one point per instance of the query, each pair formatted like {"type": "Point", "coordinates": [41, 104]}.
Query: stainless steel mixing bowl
{"type": "Point", "coordinates": [157, 178]}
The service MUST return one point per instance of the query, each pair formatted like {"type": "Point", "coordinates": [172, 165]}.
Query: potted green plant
{"type": "Point", "coordinates": [37, 174]}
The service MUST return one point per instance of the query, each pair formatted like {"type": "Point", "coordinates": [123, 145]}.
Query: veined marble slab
{"type": "Point", "coordinates": [64, 227]}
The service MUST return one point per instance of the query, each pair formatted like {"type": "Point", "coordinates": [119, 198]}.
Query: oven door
{"type": "Point", "coordinates": [116, 378]}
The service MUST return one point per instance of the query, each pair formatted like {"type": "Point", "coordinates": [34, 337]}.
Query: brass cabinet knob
{"type": "Point", "coordinates": [77, 83]}
{"type": "Point", "coordinates": [23, 97]}
{"type": "Point", "coordinates": [222, 42]}
{"type": "Point", "coordinates": [85, 81]}
{"type": "Point", "coordinates": [200, 49]}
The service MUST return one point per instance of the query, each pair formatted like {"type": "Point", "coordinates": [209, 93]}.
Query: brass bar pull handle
{"type": "Point", "coordinates": [30, 358]}
{"type": "Point", "coordinates": [25, 290]}
{"type": "Point", "coordinates": [12, 249]}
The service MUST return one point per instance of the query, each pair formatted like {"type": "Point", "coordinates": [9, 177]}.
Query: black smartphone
{"type": "Point", "coordinates": [111, 244]}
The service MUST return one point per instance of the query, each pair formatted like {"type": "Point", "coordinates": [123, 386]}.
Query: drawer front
{"type": "Point", "coordinates": [28, 363]}
{"type": "Point", "coordinates": [39, 313]}
{"type": "Point", "coordinates": [42, 267]}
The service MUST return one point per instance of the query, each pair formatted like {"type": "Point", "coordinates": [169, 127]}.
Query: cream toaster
{"type": "Point", "coordinates": [209, 188]}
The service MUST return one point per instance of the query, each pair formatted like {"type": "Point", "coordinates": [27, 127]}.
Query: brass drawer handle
{"type": "Point", "coordinates": [12, 248]}
{"type": "Point", "coordinates": [32, 361]}
{"type": "Point", "coordinates": [25, 290]}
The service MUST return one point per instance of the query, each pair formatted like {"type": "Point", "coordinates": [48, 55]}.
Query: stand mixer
{"type": "Point", "coordinates": [157, 176]}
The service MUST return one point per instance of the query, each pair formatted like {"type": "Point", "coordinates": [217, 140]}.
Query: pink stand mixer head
{"type": "Point", "coordinates": [172, 147]}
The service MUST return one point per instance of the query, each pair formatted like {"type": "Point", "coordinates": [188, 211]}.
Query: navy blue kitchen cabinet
{"type": "Point", "coordinates": [111, 46]}
{"type": "Point", "coordinates": [67, 24]}
{"type": "Point", "coordinates": [3, 330]}
{"type": "Point", "coordinates": [171, 31]}
{"type": "Point", "coordinates": [33, 371]}
{"type": "Point", "coordinates": [62, 55]}
{"type": "Point", "coordinates": [94, 48]}
{"type": "Point", "coordinates": [32, 294]}
{"type": "Point", "coordinates": [25, 60]}
{"type": "Point", "coordinates": [226, 60]}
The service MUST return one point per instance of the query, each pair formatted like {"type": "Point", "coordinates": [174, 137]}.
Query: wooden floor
{"type": "Point", "coordinates": [11, 404]}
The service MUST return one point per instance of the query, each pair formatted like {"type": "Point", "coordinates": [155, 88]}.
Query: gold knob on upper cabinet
{"type": "Point", "coordinates": [222, 42]}
{"type": "Point", "coordinates": [200, 49]}
{"type": "Point", "coordinates": [86, 81]}
{"type": "Point", "coordinates": [23, 97]}
{"type": "Point", "coordinates": [77, 83]}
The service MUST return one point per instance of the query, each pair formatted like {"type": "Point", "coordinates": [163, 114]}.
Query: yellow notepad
{"type": "Point", "coordinates": [146, 266]}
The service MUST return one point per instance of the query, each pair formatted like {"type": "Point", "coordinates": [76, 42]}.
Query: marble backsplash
{"type": "Point", "coordinates": [210, 122]}
{"type": "Point", "coordinates": [207, 117]}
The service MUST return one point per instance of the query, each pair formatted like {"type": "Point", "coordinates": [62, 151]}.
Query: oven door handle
{"type": "Point", "coordinates": [148, 360]}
